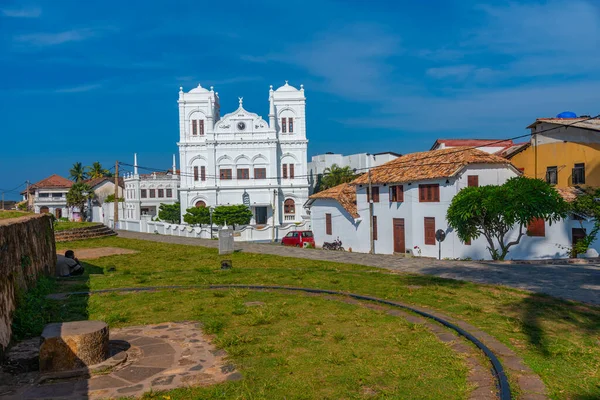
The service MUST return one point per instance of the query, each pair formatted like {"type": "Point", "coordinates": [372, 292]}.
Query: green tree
{"type": "Point", "coordinates": [97, 171]}
{"type": "Point", "coordinates": [335, 175]}
{"type": "Point", "coordinates": [77, 173]}
{"type": "Point", "coordinates": [170, 213]}
{"type": "Point", "coordinates": [588, 205]}
{"type": "Point", "coordinates": [111, 199]}
{"type": "Point", "coordinates": [79, 195]}
{"type": "Point", "coordinates": [197, 216]}
{"type": "Point", "coordinates": [493, 211]}
{"type": "Point", "coordinates": [232, 215]}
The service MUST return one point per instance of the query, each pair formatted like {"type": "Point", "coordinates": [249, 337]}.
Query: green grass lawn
{"type": "Point", "coordinates": [66, 225]}
{"type": "Point", "coordinates": [12, 214]}
{"type": "Point", "coordinates": [558, 339]}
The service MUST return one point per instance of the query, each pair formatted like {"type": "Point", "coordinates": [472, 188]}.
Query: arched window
{"type": "Point", "coordinates": [44, 210]}
{"type": "Point", "coordinates": [289, 207]}
{"type": "Point", "coordinates": [200, 203]}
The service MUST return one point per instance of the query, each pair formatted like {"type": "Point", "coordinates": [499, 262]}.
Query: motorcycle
{"type": "Point", "coordinates": [335, 245]}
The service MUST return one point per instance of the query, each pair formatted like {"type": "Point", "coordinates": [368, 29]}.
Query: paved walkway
{"type": "Point", "coordinates": [579, 282]}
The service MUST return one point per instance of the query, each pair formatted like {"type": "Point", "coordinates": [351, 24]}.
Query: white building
{"type": "Point", "coordinates": [49, 196]}
{"type": "Point", "coordinates": [242, 159]}
{"type": "Point", "coordinates": [491, 146]}
{"type": "Point", "coordinates": [144, 193]}
{"type": "Point", "coordinates": [359, 162]}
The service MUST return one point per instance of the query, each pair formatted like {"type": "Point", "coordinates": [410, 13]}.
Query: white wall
{"type": "Point", "coordinates": [343, 226]}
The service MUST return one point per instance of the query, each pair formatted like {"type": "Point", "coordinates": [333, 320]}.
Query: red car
{"type": "Point", "coordinates": [299, 239]}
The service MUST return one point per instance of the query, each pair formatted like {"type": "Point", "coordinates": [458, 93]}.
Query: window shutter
{"type": "Point", "coordinates": [400, 190]}
{"type": "Point", "coordinates": [421, 193]}
{"type": "Point", "coordinates": [195, 173]}
{"type": "Point", "coordinates": [375, 194]}
{"type": "Point", "coordinates": [429, 230]}
{"type": "Point", "coordinates": [169, 193]}
{"type": "Point", "coordinates": [291, 125]}
{"type": "Point", "coordinates": [328, 224]}
{"type": "Point", "coordinates": [284, 171]}
{"type": "Point", "coordinates": [194, 127]}
{"type": "Point", "coordinates": [374, 227]}
{"type": "Point", "coordinates": [201, 122]}
{"type": "Point", "coordinates": [436, 193]}
{"type": "Point", "coordinates": [291, 171]}
{"type": "Point", "coordinates": [473, 180]}
{"type": "Point", "coordinates": [202, 173]}
{"type": "Point", "coordinates": [537, 227]}
{"type": "Point", "coordinates": [283, 125]}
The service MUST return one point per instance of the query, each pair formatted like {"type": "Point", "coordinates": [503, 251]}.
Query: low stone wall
{"type": "Point", "coordinates": [27, 251]}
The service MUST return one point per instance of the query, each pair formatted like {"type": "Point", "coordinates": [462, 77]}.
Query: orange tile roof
{"type": "Point", "coordinates": [53, 181]}
{"type": "Point", "coordinates": [473, 142]}
{"type": "Point", "coordinates": [569, 194]}
{"type": "Point", "coordinates": [511, 151]}
{"type": "Point", "coordinates": [432, 164]}
{"type": "Point", "coordinates": [345, 194]}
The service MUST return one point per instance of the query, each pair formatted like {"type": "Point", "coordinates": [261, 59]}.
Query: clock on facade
{"type": "Point", "coordinates": [241, 126]}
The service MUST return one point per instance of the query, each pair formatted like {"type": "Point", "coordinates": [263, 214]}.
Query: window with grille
{"type": "Point", "coordinates": [579, 174]}
{"type": "Point", "coordinates": [291, 171]}
{"type": "Point", "coordinates": [169, 193]}
{"type": "Point", "coordinates": [195, 173]}
{"type": "Point", "coordinates": [285, 175]}
{"type": "Point", "coordinates": [143, 193]}
{"type": "Point", "coordinates": [429, 230]}
{"type": "Point", "coordinates": [243, 173]}
{"type": "Point", "coordinates": [328, 224]}
{"type": "Point", "coordinates": [203, 173]}
{"type": "Point", "coordinates": [283, 125]}
{"type": "Point", "coordinates": [225, 174]}
{"type": "Point", "coordinates": [397, 193]}
{"type": "Point", "coordinates": [260, 173]}
{"type": "Point", "coordinates": [291, 125]}
{"type": "Point", "coordinates": [161, 193]}
{"type": "Point", "coordinates": [152, 193]}
{"type": "Point", "coordinates": [552, 175]}
{"type": "Point", "coordinates": [201, 126]}
{"type": "Point", "coordinates": [194, 127]}
{"type": "Point", "coordinates": [429, 193]}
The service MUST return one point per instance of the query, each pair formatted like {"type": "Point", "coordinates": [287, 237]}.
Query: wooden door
{"type": "Point", "coordinates": [399, 240]}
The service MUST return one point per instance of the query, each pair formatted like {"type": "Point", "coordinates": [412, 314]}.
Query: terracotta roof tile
{"type": "Point", "coordinates": [53, 181]}
{"type": "Point", "coordinates": [570, 193]}
{"type": "Point", "coordinates": [345, 194]}
{"type": "Point", "coordinates": [433, 164]}
{"type": "Point", "coordinates": [472, 142]}
{"type": "Point", "coordinates": [511, 151]}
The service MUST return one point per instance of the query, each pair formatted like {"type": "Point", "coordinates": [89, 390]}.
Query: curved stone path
{"type": "Point", "coordinates": [161, 357]}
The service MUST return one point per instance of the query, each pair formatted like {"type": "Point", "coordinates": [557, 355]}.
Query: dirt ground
{"type": "Point", "coordinates": [88, 254]}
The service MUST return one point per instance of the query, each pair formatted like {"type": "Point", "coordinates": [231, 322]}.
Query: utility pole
{"type": "Point", "coordinates": [116, 217]}
{"type": "Point", "coordinates": [27, 191]}
{"type": "Point", "coordinates": [370, 199]}
{"type": "Point", "coordinates": [273, 227]}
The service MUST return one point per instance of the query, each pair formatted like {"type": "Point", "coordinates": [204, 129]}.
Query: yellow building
{"type": "Point", "coordinates": [563, 151]}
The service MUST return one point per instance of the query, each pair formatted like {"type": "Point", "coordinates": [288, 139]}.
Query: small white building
{"type": "Point", "coordinates": [102, 187]}
{"type": "Point", "coordinates": [240, 158]}
{"type": "Point", "coordinates": [49, 196]}
{"type": "Point", "coordinates": [359, 162]}
{"type": "Point", "coordinates": [144, 193]}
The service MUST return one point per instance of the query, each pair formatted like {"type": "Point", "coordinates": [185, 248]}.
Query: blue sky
{"type": "Point", "coordinates": [98, 81]}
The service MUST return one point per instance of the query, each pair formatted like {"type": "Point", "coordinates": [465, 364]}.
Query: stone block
{"type": "Point", "coordinates": [72, 345]}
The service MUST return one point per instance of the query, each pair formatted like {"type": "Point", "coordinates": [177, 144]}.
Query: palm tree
{"type": "Point", "coordinates": [336, 175]}
{"type": "Point", "coordinates": [96, 171]}
{"type": "Point", "coordinates": [77, 173]}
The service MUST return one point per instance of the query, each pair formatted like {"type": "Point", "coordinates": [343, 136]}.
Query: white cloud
{"type": "Point", "coordinates": [33, 12]}
{"type": "Point", "coordinates": [79, 89]}
{"type": "Point", "coordinates": [52, 39]}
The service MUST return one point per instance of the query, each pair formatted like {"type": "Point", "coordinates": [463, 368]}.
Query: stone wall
{"type": "Point", "coordinates": [27, 251]}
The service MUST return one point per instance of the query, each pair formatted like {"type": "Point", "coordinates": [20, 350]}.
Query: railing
{"type": "Point", "coordinates": [50, 199]}
{"type": "Point", "coordinates": [290, 217]}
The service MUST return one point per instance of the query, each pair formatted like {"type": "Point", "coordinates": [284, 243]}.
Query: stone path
{"type": "Point", "coordinates": [579, 282]}
{"type": "Point", "coordinates": [161, 357]}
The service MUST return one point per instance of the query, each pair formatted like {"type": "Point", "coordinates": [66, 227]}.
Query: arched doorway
{"type": "Point", "coordinates": [200, 203]}
{"type": "Point", "coordinates": [58, 213]}
{"type": "Point", "coordinates": [289, 210]}
{"type": "Point", "coordinates": [44, 210]}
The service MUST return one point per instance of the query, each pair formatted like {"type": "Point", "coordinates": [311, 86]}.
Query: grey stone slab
{"type": "Point", "coordinates": [105, 382]}
{"type": "Point", "coordinates": [160, 349]}
{"type": "Point", "coordinates": [146, 341]}
{"type": "Point", "coordinates": [137, 374]}
{"type": "Point", "coordinates": [156, 361]}
{"type": "Point", "coordinates": [163, 380]}
{"type": "Point", "coordinates": [131, 389]}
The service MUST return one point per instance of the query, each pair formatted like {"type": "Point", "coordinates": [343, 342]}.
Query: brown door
{"type": "Point", "coordinates": [58, 213]}
{"type": "Point", "coordinates": [399, 242]}
{"type": "Point", "coordinates": [577, 235]}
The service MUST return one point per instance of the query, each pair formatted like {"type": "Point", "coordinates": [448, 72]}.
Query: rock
{"type": "Point", "coordinates": [23, 356]}
{"type": "Point", "coordinates": [72, 345]}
